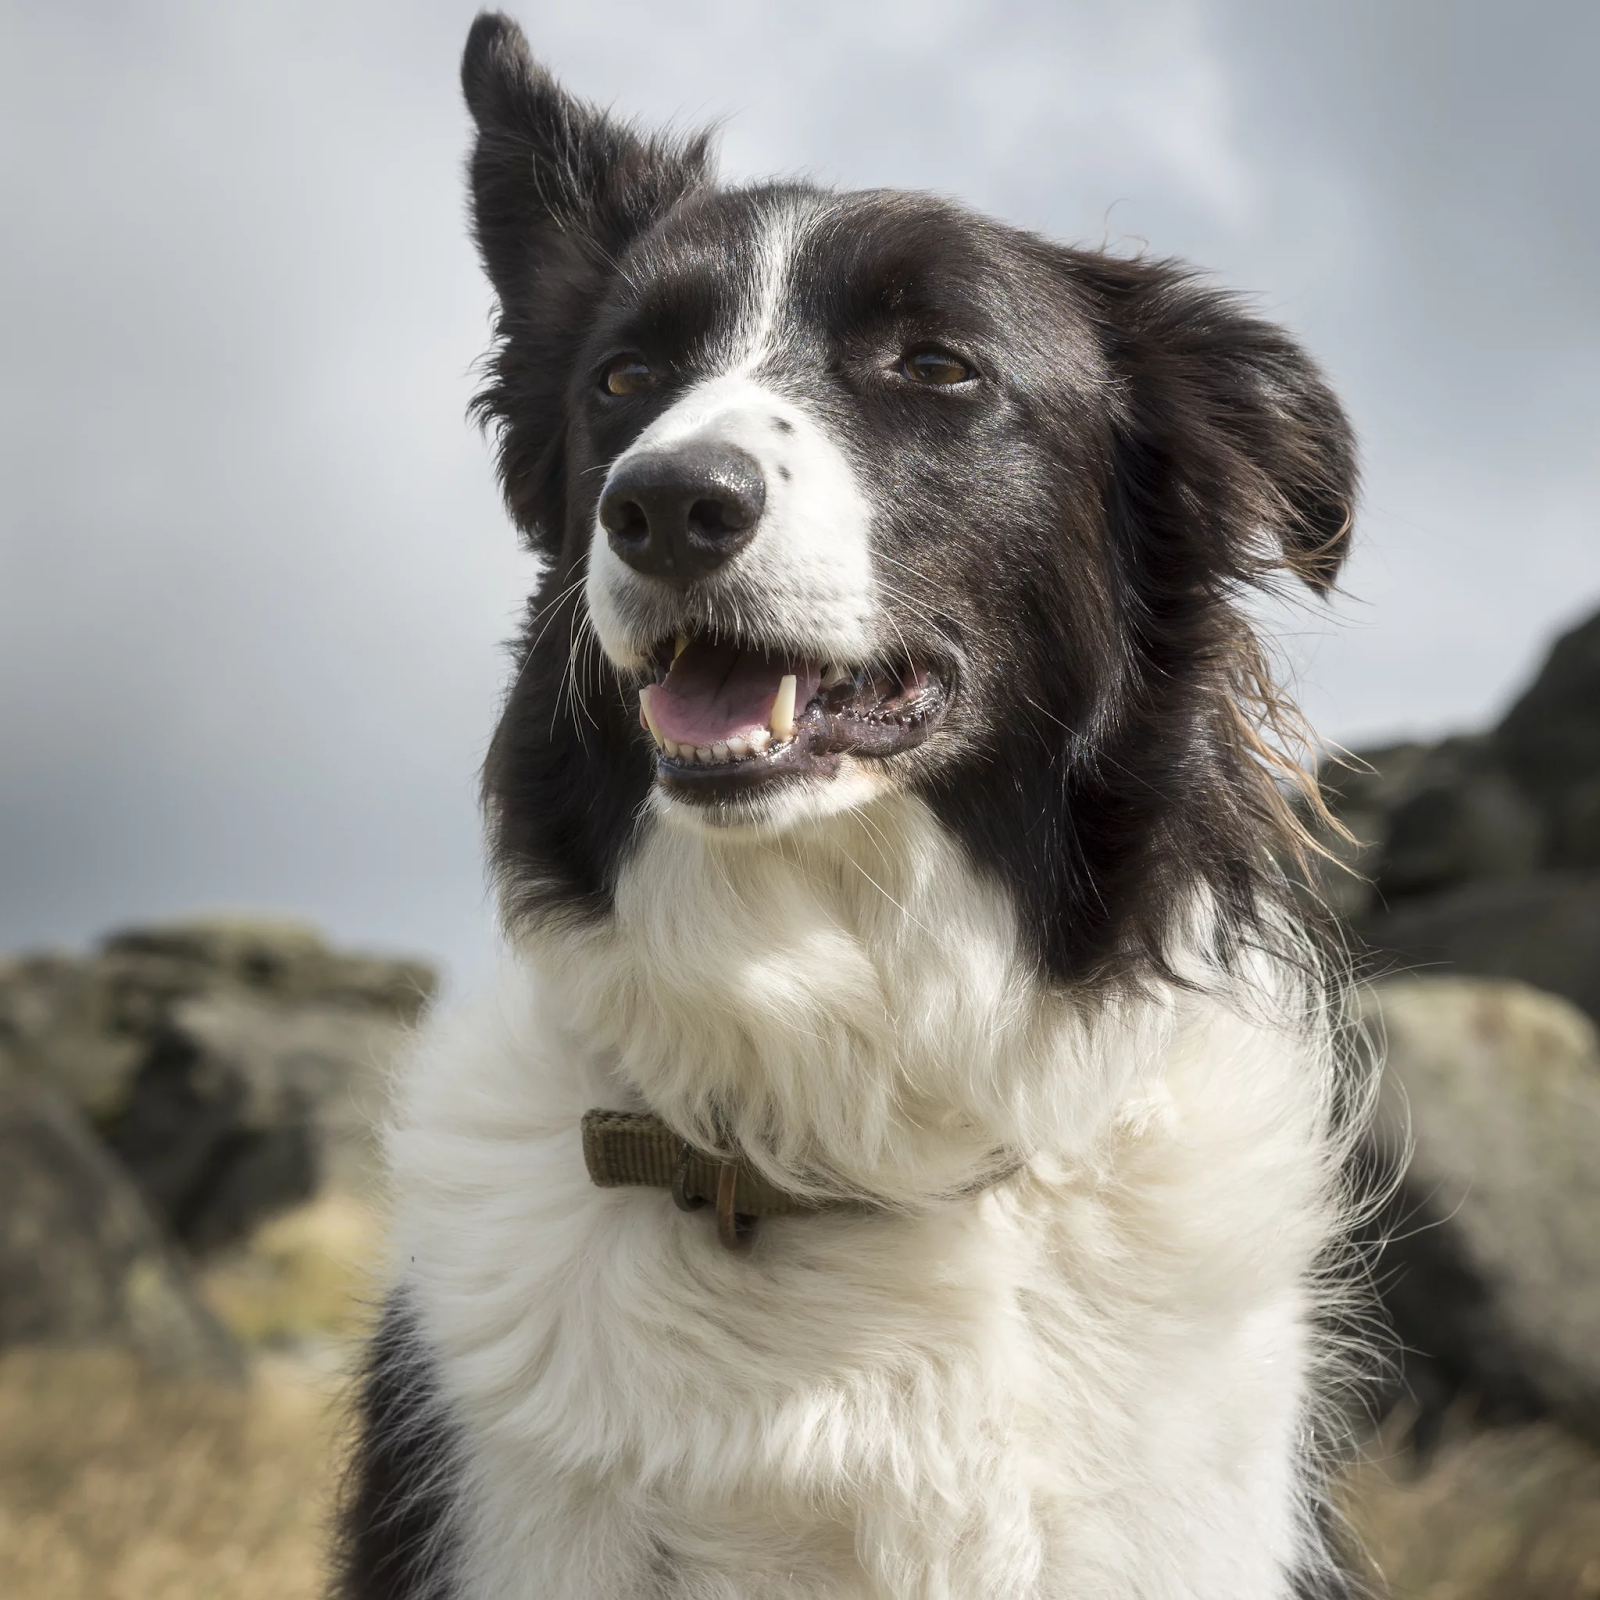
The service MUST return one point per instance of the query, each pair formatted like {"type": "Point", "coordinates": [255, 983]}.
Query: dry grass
{"type": "Point", "coordinates": [1512, 1514]}
{"type": "Point", "coordinates": [308, 1278]}
{"type": "Point", "coordinates": [114, 1487]}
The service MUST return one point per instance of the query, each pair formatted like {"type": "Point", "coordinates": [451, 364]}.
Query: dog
{"type": "Point", "coordinates": [902, 1156]}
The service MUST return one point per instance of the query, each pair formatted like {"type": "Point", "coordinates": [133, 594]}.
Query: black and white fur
{"type": "Point", "coordinates": [1053, 932]}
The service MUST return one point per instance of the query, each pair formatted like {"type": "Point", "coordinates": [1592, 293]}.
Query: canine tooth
{"type": "Point", "coordinates": [782, 719]}
{"type": "Point", "coordinates": [680, 646]}
{"type": "Point", "coordinates": [720, 750]}
{"type": "Point", "coordinates": [833, 675]}
{"type": "Point", "coordinates": [738, 747]}
{"type": "Point", "coordinates": [703, 754]}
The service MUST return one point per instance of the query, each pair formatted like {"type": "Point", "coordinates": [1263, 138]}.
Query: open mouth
{"type": "Point", "coordinates": [728, 717]}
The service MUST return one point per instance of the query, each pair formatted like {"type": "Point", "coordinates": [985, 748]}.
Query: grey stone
{"type": "Point", "coordinates": [1543, 928]}
{"type": "Point", "coordinates": [1478, 826]}
{"type": "Point", "coordinates": [245, 1106]}
{"type": "Point", "coordinates": [233, 1064]}
{"type": "Point", "coordinates": [1549, 742]}
{"type": "Point", "coordinates": [284, 960]}
{"type": "Point", "coordinates": [86, 1023]}
{"type": "Point", "coordinates": [1424, 817]}
{"type": "Point", "coordinates": [1493, 1272]}
{"type": "Point", "coordinates": [60, 1021]}
{"type": "Point", "coordinates": [81, 1261]}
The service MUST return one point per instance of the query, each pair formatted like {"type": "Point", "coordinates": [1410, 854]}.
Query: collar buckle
{"type": "Point", "coordinates": [735, 1229]}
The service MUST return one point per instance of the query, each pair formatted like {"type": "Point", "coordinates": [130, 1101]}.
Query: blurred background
{"type": "Point", "coordinates": [255, 586]}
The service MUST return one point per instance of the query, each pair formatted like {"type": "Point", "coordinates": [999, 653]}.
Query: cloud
{"type": "Point", "coordinates": [252, 572]}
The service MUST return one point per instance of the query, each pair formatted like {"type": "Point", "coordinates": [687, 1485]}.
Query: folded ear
{"type": "Point", "coordinates": [550, 174]}
{"type": "Point", "coordinates": [1235, 420]}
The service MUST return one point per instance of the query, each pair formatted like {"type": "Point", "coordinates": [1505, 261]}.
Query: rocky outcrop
{"type": "Point", "coordinates": [81, 1260]}
{"type": "Point", "coordinates": [1490, 1268]}
{"type": "Point", "coordinates": [1542, 928]}
{"type": "Point", "coordinates": [243, 1107]}
{"type": "Point", "coordinates": [287, 962]}
{"type": "Point", "coordinates": [61, 1021]}
{"type": "Point", "coordinates": [231, 1065]}
{"type": "Point", "coordinates": [1481, 853]}
{"type": "Point", "coordinates": [1549, 745]}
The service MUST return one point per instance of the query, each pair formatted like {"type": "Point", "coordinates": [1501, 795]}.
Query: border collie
{"type": "Point", "coordinates": [891, 849]}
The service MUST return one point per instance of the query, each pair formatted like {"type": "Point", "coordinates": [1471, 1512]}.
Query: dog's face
{"type": "Point", "coordinates": [815, 457]}
{"type": "Point", "coordinates": [847, 494]}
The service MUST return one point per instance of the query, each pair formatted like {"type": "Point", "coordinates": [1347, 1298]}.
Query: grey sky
{"type": "Point", "coordinates": [252, 572]}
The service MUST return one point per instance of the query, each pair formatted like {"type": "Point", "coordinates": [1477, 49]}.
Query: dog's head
{"type": "Point", "coordinates": [850, 494]}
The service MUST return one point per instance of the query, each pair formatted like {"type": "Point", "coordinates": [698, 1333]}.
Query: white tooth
{"type": "Point", "coordinates": [686, 752]}
{"type": "Point", "coordinates": [833, 675]}
{"type": "Point", "coordinates": [759, 739]}
{"type": "Point", "coordinates": [738, 747]}
{"type": "Point", "coordinates": [680, 646]}
{"type": "Point", "coordinates": [719, 750]}
{"type": "Point", "coordinates": [703, 754]}
{"type": "Point", "coordinates": [782, 719]}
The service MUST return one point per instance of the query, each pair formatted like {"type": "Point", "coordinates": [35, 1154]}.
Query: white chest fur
{"type": "Point", "coordinates": [1090, 1381]}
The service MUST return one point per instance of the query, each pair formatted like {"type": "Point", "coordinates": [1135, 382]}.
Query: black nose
{"type": "Point", "coordinates": [678, 514]}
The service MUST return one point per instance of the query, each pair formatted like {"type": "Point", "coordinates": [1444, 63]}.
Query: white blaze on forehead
{"type": "Point", "coordinates": [805, 580]}
{"type": "Point", "coordinates": [780, 244]}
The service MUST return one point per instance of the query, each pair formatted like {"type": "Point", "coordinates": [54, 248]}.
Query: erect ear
{"type": "Point", "coordinates": [1243, 425]}
{"type": "Point", "coordinates": [559, 191]}
{"type": "Point", "coordinates": [551, 174]}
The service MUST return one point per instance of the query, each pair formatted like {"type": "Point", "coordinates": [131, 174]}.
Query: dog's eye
{"type": "Point", "coordinates": [931, 365]}
{"type": "Point", "coordinates": [627, 375]}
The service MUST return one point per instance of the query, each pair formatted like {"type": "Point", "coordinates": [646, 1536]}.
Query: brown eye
{"type": "Point", "coordinates": [934, 366]}
{"type": "Point", "coordinates": [627, 375]}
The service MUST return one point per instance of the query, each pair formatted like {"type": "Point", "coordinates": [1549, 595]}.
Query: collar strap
{"type": "Point", "coordinates": [622, 1148]}
{"type": "Point", "coordinates": [636, 1148]}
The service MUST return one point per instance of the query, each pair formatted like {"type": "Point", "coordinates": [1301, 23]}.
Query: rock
{"type": "Point", "coordinates": [230, 1062]}
{"type": "Point", "coordinates": [1492, 1269]}
{"type": "Point", "coordinates": [1425, 818]}
{"type": "Point", "coordinates": [85, 1023]}
{"type": "Point", "coordinates": [288, 961]}
{"type": "Point", "coordinates": [1428, 819]}
{"type": "Point", "coordinates": [1447, 833]}
{"type": "Point", "coordinates": [1549, 743]}
{"type": "Point", "coordinates": [60, 1021]}
{"type": "Point", "coordinates": [243, 1107]}
{"type": "Point", "coordinates": [1543, 928]}
{"type": "Point", "coordinates": [81, 1261]}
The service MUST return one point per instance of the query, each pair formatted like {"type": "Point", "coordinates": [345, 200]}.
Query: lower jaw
{"type": "Point", "coordinates": [814, 757]}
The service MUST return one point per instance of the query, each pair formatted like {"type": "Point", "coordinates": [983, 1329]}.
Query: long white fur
{"type": "Point", "coordinates": [1091, 1380]}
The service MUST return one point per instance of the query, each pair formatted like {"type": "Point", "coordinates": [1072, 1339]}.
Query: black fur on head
{"type": "Point", "coordinates": [1068, 537]}
{"type": "Point", "coordinates": [559, 192]}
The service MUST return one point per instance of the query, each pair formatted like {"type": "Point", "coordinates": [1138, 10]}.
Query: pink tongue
{"type": "Point", "coordinates": [717, 691]}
